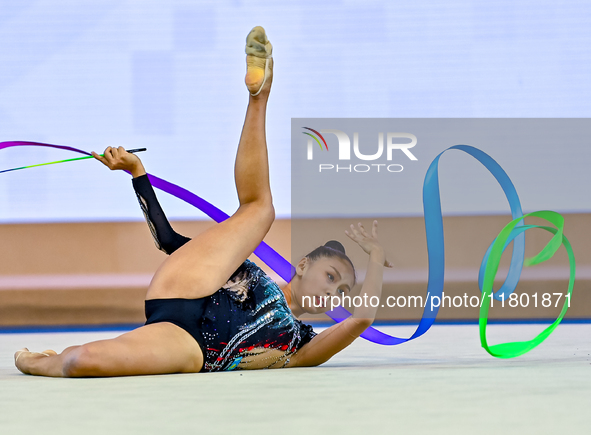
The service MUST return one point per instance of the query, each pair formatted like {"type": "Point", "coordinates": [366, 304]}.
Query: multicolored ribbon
{"type": "Point", "coordinates": [435, 247]}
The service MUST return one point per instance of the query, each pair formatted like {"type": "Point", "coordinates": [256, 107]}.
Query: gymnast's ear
{"type": "Point", "coordinates": [302, 266]}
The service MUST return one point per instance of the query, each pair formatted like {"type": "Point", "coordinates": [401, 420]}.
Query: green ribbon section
{"type": "Point", "coordinates": [493, 258]}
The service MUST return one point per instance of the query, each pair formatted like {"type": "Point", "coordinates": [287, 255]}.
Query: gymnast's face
{"type": "Point", "coordinates": [319, 280]}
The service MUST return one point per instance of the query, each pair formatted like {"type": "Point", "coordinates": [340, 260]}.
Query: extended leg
{"type": "Point", "coordinates": [203, 265]}
{"type": "Point", "coordinates": [251, 170]}
{"type": "Point", "coordinates": [152, 349]}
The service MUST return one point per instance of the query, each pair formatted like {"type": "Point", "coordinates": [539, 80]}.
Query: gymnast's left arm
{"type": "Point", "coordinates": [334, 339]}
{"type": "Point", "coordinates": [165, 237]}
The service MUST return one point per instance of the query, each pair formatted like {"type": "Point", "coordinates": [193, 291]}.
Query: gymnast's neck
{"type": "Point", "coordinates": [296, 310]}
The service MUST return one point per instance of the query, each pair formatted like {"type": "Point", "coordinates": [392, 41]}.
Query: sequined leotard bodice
{"type": "Point", "coordinates": [247, 324]}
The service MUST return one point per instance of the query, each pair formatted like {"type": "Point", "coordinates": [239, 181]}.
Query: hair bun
{"type": "Point", "coordinates": [337, 246]}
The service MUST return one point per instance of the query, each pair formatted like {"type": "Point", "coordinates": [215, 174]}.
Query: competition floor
{"type": "Point", "coordinates": [441, 383]}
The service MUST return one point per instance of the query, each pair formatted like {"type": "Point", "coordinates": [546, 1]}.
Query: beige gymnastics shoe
{"type": "Point", "coordinates": [259, 62]}
{"type": "Point", "coordinates": [18, 354]}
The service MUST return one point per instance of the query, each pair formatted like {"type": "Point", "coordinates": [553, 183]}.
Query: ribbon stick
{"type": "Point", "coordinates": [67, 160]}
{"type": "Point", "coordinates": [514, 231]}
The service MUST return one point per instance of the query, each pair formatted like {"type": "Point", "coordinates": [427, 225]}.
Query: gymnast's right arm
{"type": "Point", "coordinates": [165, 238]}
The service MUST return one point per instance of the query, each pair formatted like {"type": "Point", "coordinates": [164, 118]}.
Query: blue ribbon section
{"type": "Point", "coordinates": [436, 246]}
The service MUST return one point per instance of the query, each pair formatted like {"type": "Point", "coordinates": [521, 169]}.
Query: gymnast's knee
{"type": "Point", "coordinates": [79, 363]}
{"type": "Point", "coordinates": [262, 210]}
{"type": "Point", "coordinates": [269, 213]}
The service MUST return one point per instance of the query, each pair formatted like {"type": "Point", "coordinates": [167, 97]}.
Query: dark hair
{"type": "Point", "coordinates": [332, 249]}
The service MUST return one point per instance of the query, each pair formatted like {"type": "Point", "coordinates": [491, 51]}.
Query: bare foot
{"type": "Point", "coordinates": [259, 63]}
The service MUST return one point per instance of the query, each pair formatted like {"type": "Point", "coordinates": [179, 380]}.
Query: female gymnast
{"type": "Point", "coordinates": [198, 319]}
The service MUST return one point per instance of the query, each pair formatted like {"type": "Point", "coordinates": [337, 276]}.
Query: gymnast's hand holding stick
{"type": "Point", "coordinates": [119, 158]}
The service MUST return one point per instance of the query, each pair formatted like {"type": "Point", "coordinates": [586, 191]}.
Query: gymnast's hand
{"type": "Point", "coordinates": [118, 158]}
{"type": "Point", "coordinates": [369, 243]}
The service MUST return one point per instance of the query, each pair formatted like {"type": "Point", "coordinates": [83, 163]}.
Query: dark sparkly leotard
{"type": "Point", "coordinates": [247, 324]}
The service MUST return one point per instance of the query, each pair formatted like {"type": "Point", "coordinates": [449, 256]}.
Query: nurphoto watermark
{"type": "Point", "coordinates": [523, 300]}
